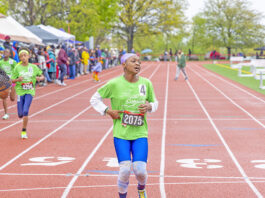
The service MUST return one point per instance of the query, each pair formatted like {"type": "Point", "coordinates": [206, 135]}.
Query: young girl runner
{"type": "Point", "coordinates": [96, 70]}
{"type": "Point", "coordinates": [131, 97]}
{"type": "Point", "coordinates": [25, 76]}
{"type": "Point", "coordinates": [8, 64]}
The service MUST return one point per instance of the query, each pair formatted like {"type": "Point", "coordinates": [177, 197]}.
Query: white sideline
{"type": "Point", "coordinates": [228, 98]}
{"type": "Point", "coordinates": [247, 180]}
{"type": "Point", "coordinates": [232, 84]}
{"type": "Point", "coordinates": [42, 139]}
{"type": "Point", "coordinates": [70, 185]}
{"type": "Point", "coordinates": [163, 142]}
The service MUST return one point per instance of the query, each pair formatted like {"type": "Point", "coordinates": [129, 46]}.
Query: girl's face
{"type": "Point", "coordinates": [132, 65]}
{"type": "Point", "coordinates": [24, 57]}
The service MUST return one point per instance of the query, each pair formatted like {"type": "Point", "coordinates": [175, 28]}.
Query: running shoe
{"type": "Point", "coordinates": [5, 117]}
{"type": "Point", "coordinates": [24, 135]}
{"type": "Point", "coordinates": [63, 84]}
{"type": "Point", "coordinates": [142, 193]}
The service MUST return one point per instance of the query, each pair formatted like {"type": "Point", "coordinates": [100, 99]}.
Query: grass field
{"type": "Point", "coordinates": [225, 70]}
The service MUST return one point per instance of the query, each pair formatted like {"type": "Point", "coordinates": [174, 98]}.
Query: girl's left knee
{"type": "Point", "coordinates": [139, 169]}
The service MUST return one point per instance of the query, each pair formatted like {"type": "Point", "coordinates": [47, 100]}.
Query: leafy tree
{"type": "Point", "coordinates": [148, 17]}
{"type": "Point", "coordinates": [31, 12]}
{"type": "Point", "coordinates": [233, 24]}
{"type": "Point", "coordinates": [3, 6]}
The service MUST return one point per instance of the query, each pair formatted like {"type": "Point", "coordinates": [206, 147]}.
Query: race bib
{"type": "Point", "coordinates": [132, 119]}
{"type": "Point", "coordinates": [27, 86]}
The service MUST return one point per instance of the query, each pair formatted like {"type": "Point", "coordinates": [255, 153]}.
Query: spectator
{"type": "Point", "coordinates": [85, 58]}
{"type": "Point", "coordinates": [52, 69]}
{"type": "Point", "coordinates": [181, 65]}
{"type": "Point", "coordinates": [96, 70]}
{"type": "Point", "coordinates": [7, 45]}
{"type": "Point", "coordinates": [72, 63]}
{"type": "Point", "coordinates": [62, 61]}
{"type": "Point", "coordinates": [15, 49]}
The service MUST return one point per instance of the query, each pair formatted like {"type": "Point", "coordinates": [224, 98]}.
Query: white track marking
{"type": "Point", "coordinates": [149, 119]}
{"type": "Point", "coordinates": [232, 84]}
{"type": "Point", "coordinates": [104, 186]}
{"type": "Point", "coordinates": [163, 141]}
{"type": "Point", "coordinates": [228, 98]}
{"type": "Point", "coordinates": [251, 185]}
{"type": "Point", "coordinates": [44, 138]}
{"type": "Point", "coordinates": [70, 185]}
{"type": "Point", "coordinates": [61, 89]}
{"type": "Point", "coordinates": [116, 175]}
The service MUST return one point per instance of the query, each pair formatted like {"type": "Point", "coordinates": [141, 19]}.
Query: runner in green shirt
{"type": "Point", "coordinates": [7, 64]}
{"type": "Point", "coordinates": [25, 76]}
{"type": "Point", "coordinates": [131, 97]}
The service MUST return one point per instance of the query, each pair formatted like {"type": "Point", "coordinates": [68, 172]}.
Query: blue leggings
{"type": "Point", "coordinates": [137, 148]}
{"type": "Point", "coordinates": [23, 104]}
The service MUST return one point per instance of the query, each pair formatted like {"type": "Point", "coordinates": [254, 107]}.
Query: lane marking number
{"type": "Point", "coordinates": [48, 161]}
{"type": "Point", "coordinates": [112, 161]}
{"type": "Point", "coordinates": [262, 165]}
{"type": "Point", "coordinates": [200, 163]}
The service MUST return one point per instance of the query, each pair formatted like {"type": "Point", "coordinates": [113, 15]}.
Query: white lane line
{"type": "Point", "coordinates": [42, 139]}
{"type": "Point", "coordinates": [70, 185]}
{"type": "Point", "coordinates": [115, 175]}
{"type": "Point", "coordinates": [228, 98]}
{"type": "Point", "coordinates": [60, 89]}
{"type": "Point", "coordinates": [251, 185]}
{"type": "Point", "coordinates": [163, 142]}
{"type": "Point", "coordinates": [232, 84]}
{"type": "Point", "coordinates": [149, 119]}
{"type": "Point", "coordinates": [104, 186]}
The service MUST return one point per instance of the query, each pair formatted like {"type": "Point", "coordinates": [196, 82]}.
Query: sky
{"type": "Point", "coordinates": [196, 6]}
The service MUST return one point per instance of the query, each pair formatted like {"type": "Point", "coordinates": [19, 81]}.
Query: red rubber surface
{"type": "Point", "coordinates": [205, 118]}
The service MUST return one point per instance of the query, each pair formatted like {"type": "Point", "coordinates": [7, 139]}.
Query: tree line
{"type": "Point", "coordinates": [139, 24]}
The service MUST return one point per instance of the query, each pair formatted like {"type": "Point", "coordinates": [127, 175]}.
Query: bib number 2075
{"type": "Point", "coordinates": [132, 119]}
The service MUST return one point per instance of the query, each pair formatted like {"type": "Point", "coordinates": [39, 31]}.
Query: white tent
{"type": "Point", "coordinates": [62, 35]}
{"type": "Point", "coordinates": [10, 27]}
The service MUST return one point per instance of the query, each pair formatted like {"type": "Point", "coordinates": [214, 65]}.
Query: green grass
{"type": "Point", "coordinates": [249, 82]}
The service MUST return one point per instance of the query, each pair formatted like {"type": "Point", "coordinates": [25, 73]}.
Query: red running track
{"type": "Point", "coordinates": [205, 140]}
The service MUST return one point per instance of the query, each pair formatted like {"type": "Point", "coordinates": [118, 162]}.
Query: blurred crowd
{"type": "Point", "coordinates": [66, 60]}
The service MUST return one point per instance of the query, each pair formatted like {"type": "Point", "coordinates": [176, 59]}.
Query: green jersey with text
{"type": "Point", "coordinates": [29, 74]}
{"type": "Point", "coordinates": [8, 66]}
{"type": "Point", "coordinates": [128, 96]}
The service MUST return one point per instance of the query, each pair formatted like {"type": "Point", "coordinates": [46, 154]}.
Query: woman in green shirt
{"type": "Point", "coordinates": [25, 76]}
{"type": "Point", "coordinates": [132, 96]}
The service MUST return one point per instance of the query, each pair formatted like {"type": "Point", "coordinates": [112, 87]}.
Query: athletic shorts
{"type": "Point", "coordinates": [138, 149]}
{"type": "Point", "coordinates": [23, 104]}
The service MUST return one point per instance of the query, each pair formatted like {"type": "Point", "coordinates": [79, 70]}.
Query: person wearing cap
{"type": "Point", "coordinates": [25, 76]}
{"type": "Point", "coordinates": [7, 45]}
{"type": "Point", "coordinates": [132, 96]}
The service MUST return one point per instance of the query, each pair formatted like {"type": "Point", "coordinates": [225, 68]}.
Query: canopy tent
{"type": "Point", "coordinates": [10, 27]}
{"type": "Point", "coordinates": [46, 36]}
{"type": "Point", "coordinates": [63, 36]}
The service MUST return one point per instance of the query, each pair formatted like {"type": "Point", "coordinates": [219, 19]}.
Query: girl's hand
{"type": "Point", "coordinates": [39, 78]}
{"type": "Point", "coordinates": [19, 79]}
{"type": "Point", "coordinates": [143, 108]}
{"type": "Point", "coordinates": [114, 114]}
